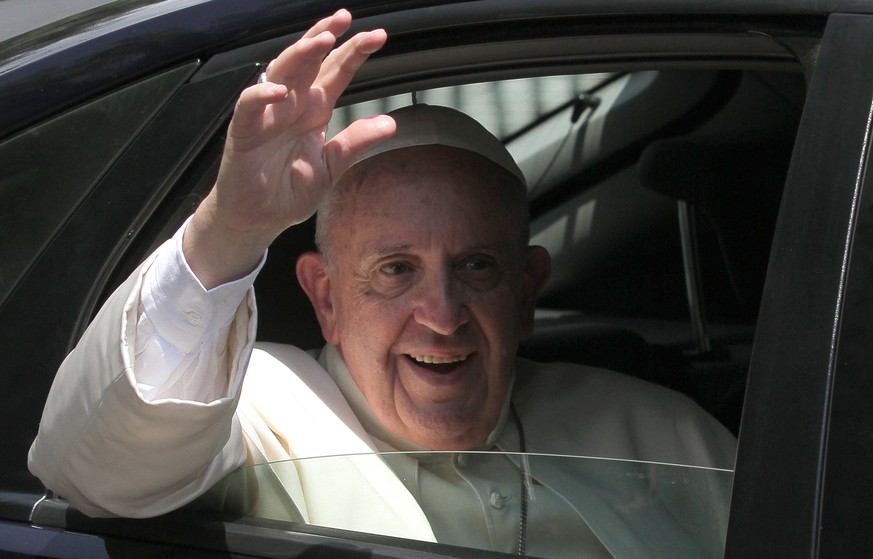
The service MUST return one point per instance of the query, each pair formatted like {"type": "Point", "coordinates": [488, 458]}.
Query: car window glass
{"type": "Point", "coordinates": [575, 506]}
{"type": "Point", "coordinates": [35, 197]}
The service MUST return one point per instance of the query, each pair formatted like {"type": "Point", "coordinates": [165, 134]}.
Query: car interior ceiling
{"type": "Point", "coordinates": [619, 296]}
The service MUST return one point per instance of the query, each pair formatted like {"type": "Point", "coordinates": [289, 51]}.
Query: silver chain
{"type": "Point", "coordinates": [522, 521]}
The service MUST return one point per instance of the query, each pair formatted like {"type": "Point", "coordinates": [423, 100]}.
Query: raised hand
{"type": "Point", "coordinates": [276, 165]}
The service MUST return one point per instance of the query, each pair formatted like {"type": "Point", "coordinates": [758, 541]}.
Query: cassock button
{"type": "Point", "coordinates": [498, 500]}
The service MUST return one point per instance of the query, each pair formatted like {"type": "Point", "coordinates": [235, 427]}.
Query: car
{"type": "Point", "coordinates": [698, 171]}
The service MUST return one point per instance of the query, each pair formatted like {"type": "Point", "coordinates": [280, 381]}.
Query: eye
{"type": "Point", "coordinates": [392, 278]}
{"type": "Point", "coordinates": [480, 271]}
{"type": "Point", "coordinates": [477, 264]}
{"type": "Point", "coordinates": [395, 269]}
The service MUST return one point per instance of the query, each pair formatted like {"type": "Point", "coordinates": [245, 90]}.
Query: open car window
{"type": "Point", "coordinates": [656, 193]}
{"type": "Point", "coordinates": [578, 506]}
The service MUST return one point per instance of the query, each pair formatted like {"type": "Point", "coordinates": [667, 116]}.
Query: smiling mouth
{"type": "Point", "coordinates": [436, 363]}
{"type": "Point", "coordinates": [437, 360]}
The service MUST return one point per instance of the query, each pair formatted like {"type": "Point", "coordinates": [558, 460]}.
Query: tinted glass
{"type": "Point", "coordinates": [572, 506]}
{"type": "Point", "coordinates": [48, 169]}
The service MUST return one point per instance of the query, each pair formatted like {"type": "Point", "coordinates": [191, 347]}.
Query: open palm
{"type": "Point", "coordinates": [276, 166]}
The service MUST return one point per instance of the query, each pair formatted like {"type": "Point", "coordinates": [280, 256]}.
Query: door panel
{"type": "Point", "coordinates": [775, 510]}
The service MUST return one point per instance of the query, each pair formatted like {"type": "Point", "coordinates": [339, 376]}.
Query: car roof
{"type": "Point", "coordinates": [23, 16]}
{"type": "Point", "coordinates": [42, 41]}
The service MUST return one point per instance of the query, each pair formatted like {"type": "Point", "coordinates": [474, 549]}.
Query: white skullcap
{"type": "Point", "coordinates": [423, 125]}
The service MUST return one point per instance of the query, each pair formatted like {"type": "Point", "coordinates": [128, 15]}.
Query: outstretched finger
{"type": "Point", "coordinates": [337, 24]}
{"type": "Point", "coordinates": [299, 65]}
{"type": "Point", "coordinates": [295, 65]}
{"type": "Point", "coordinates": [248, 117]}
{"type": "Point", "coordinates": [342, 63]}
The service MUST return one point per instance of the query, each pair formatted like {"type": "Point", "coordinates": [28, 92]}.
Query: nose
{"type": "Point", "coordinates": [441, 304]}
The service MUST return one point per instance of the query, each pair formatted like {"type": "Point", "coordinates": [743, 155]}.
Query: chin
{"type": "Point", "coordinates": [451, 431]}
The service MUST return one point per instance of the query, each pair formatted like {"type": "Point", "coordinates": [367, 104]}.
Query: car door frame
{"type": "Point", "coordinates": [805, 405]}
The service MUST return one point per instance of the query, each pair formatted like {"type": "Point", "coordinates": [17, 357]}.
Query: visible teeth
{"type": "Point", "coordinates": [436, 360]}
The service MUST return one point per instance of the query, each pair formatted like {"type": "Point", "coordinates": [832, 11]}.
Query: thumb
{"type": "Point", "coordinates": [344, 149]}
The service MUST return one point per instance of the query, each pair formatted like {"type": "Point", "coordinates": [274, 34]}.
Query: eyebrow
{"type": "Point", "coordinates": [382, 252]}
{"type": "Point", "coordinates": [389, 250]}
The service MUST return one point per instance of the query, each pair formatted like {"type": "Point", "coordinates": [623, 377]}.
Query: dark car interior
{"type": "Point", "coordinates": [678, 256]}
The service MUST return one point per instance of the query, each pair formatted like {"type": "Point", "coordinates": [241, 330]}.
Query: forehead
{"type": "Point", "coordinates": [435, 193]}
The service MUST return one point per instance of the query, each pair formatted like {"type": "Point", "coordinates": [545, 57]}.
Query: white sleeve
{"type": "Point", "coordinates": [182, 329]}
{"type": "Point", "coordinates": [115, 438]}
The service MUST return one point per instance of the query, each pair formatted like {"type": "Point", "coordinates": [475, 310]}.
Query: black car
{"type": "Point", "coordinates": [697, 170]}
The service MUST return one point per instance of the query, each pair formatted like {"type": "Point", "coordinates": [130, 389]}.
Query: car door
{"type": "Point", "coordinates": [803, 477]}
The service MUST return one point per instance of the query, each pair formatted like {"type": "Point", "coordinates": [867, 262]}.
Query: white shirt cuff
{"type": "Point", "coordinates": [182, 310]}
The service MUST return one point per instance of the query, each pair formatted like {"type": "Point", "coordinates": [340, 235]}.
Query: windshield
{"type": "Point", "coordinates": [543, 505]}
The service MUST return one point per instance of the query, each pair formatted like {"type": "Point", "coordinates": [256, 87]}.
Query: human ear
{"type": "Point", "coordinates": [537, 268]}
{"type": "Point", "coordinates": [312, 273]}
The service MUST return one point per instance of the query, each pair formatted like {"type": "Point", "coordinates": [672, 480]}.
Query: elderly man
{"type": "Point", "coordinates": [423, 287]}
